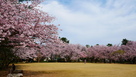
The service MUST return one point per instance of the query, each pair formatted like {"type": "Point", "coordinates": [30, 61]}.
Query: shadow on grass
{"type": "Point", "coordinates": [28, 73]}
{"type": "Point", "coordinates": [3, 73]}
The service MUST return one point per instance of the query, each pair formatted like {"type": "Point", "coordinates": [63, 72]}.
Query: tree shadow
{"type": "Point", "coordinates": [28, 73]}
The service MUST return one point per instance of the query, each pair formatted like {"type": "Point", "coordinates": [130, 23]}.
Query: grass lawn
{"type": "Point", "coordinates": [77, 70]}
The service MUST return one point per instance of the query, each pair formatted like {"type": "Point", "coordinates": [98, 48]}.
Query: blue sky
{"type": "Point", "coordinates": [94, 21]}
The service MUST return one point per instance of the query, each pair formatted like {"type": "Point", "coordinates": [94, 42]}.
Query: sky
{"type": "Point", "coordinates": [91, 22]}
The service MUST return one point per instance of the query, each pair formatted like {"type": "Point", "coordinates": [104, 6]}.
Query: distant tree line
{"type": "Point", "coordinates": [124, 53]}
{"type": "Point", "coordinates": [65, 52]}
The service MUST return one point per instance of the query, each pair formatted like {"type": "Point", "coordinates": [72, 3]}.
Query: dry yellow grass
{"type": "Point", "coordinates": [77, 70]}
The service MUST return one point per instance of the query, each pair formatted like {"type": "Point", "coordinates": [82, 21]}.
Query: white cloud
{"type": "Point", "coordinates": [94, 22]}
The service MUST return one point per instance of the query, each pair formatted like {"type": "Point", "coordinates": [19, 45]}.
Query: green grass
{"type": "Point", "coordinates": [77, 70]}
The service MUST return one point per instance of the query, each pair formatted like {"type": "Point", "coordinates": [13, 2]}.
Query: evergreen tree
{"type": "Point", "coordinates": [124, 41]}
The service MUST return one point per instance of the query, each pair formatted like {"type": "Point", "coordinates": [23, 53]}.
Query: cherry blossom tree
{"type": "Point", "coordinates": [129, 52]}
{"type": "Point", "coordinates": [22, 25]}
{"type": "Point", "coordinates": [53, 50]}
{"type": "Point", "coordinates": [101, 53]}
{"type": "Point", "coordinates": [72, 52]}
